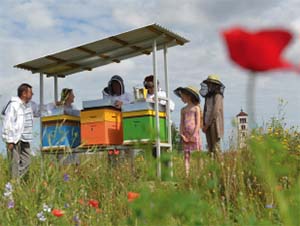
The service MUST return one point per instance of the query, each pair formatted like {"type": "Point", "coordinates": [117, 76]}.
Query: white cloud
{"type": "Point", "coordinates": [34, 14]}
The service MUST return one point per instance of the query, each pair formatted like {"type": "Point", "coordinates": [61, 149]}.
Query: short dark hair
{"type": "Point", "coordinates": [23, 88]}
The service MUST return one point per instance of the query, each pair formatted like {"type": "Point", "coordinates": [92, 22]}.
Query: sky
{"type": "Point", "coordinates": [31, 29]}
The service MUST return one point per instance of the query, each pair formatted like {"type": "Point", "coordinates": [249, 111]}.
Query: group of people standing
{"type": "Point", "coordinates": [193, 119]}
{"type": "Point", "coordinates": [19, 112]}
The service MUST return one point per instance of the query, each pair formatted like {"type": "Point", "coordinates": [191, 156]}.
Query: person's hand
{"type": "Point", "coordinates": [204, 129]}
{"type": "Point", "coordinates": [184, 138]}
{"type": "Point", "coordinates": [10, 146]}
{"type": "Point", "coordinates": [118, 104]}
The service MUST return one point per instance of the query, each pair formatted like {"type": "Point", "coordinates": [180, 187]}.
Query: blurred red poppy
{"type": "Point", "coordinates": [258, 51]}
{"type": "Point", "coordinates": [132, 196]}
{"type": "Point", "coordinates": [58, 212]}
{"type": "Point", "coordinates": [116, 152]}
{"type": "Point", "coordinates": [94, 203]}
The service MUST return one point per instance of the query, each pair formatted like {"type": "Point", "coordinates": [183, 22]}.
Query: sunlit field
{"type": "Point", "coordinates": [258, 185]}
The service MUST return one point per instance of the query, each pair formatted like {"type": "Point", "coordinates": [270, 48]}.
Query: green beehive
{"type": "Point", "coordinates": [140, 126]}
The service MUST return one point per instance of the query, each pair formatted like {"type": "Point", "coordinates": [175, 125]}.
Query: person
{"type": "Point", "coordinates": [212, 89]}
{"type": "Point", "coordinates": [66, 102]}
{"type": "Point", "coordinates": [149, 85]}
{"type": "Point", "coordinates": [115, 91]}
{"type": "Point", "coordinates": [17, 130]}
{"type": "Point", "coordinates": [190, 122]}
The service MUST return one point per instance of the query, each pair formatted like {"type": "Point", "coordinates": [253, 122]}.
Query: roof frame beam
{"type": "Point", "coordinates": [159, 46]}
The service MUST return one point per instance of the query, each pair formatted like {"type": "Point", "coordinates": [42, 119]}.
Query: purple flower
{"type": "Point", "coordinates": [76, 220]}
{"type": "Point", "coordinates": [8, 187]}
{"type": "Point", "coordinates": [10, 204]}
{"type": "Point", "coordinates": [66, 177]}
{"type": "Point", "coordinates": [269, 206]}
{"type": "Point", "coordinates": [41, 216]}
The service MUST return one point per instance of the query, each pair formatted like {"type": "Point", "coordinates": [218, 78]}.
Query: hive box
{"type": "Point", "coordinates": [101, 126]}
{"type": "Point", "coordinates": [139, 123]}
{"type": "Point", "coordinates": [60, 132]}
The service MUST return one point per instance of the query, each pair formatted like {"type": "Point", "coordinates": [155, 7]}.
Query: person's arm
{"type": "Point", "coordinates": [184, 138]}
{"type": "Point", "coordinates": [8, 126]}
{"type": "Point", "coordinates": [198, 121]}
{"type": "Point", "coordinates": [37, 112]}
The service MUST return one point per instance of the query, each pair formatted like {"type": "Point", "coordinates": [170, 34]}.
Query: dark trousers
{"type": "Point", "coordinates": [19, 159]}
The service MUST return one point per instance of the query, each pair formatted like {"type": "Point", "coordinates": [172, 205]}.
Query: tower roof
{"type": "Point", "coordinates": [242, 113]}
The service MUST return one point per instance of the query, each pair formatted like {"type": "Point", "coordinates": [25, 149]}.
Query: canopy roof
{"type": "Point", "coordinates": [112, 49]}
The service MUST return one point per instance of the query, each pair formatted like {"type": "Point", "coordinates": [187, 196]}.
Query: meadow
{"type": "Point", "coordinates": [256, 185]}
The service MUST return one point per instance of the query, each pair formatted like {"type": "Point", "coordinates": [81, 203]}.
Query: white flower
{"type": "Point", "coordinates": [46, 208]}
{"type": "Point", "coordinates": [7, 194]}
{"type": "Point", "coordinates": [8, 187]}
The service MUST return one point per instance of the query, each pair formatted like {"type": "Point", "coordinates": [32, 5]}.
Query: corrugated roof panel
{"type": "Point", "coordinates": [112, 49]}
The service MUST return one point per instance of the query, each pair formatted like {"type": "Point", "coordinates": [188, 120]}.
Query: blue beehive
{"type": "Point", "coordinates": [60, 132]}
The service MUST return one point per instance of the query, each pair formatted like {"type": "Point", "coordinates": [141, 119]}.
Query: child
{"type": "Point", "coordinates": [190, 122]}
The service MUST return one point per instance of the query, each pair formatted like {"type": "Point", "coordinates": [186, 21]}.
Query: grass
{"type": "Point", "coordinates": [258, 185]}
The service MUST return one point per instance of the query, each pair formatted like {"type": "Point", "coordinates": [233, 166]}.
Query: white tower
{"type": "Point", "coordinates": [242, 127]}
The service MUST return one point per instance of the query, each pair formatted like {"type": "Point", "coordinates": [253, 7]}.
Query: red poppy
{"type": "Point", "coordinates": [58, 212]}
{"type": "Point", "coordinates": [110, 152]}
{"type": "Point", "coordinates": [132, 196]}
{"type": "Point", "coordinates": [116, 152]}
{"type": "Point", "coordinates": [94, 203]}
{"type": "Point", "coordinates": [258, 51]}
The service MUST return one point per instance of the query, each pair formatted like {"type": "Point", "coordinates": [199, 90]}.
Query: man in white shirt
{"type": "Point", "coordinates": [149, 85]}
{"type": "Point", "coordinates": [17, 129]}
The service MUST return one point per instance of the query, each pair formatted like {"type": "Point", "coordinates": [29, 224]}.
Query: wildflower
{"type": "Point", "coordinates": [8, 187]}
{"type": "Point", "coordinates": [66, 177]}
{"type": "Point", "coordinates": [46, 208]}
{"type": "Point", "coordinates": [116, 152]}
{"type": "Point", "coordinates": [10, 204]}
{"type": "Point", "coordinates": [58, 212]}
{"type": "Point", "coordinates": [269, 206]}
{"type": "Point", "coordinates": [41, 216]}
{"type": "Point", "coordinates": [132, 196]}
{"type": "Point", "coordinates": [258, 51]}
{"type": "Point", "coordinates": [93, 203]}
{"type": "Point", "coordinates": [76, 220]}
{"type": "Point", "coordinates": [8, 190]}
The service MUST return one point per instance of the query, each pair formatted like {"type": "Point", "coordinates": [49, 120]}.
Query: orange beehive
{"type": "Point", "coordinates": [101, 127]}
{"type": "Point", "coordinates": [97, 133]}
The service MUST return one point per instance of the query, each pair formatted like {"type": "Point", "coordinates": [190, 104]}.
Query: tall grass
{"type": "Point", "coordinates": [258, 185]}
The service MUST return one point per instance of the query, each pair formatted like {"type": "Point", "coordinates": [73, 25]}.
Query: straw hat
{"type": "Point", "coordinates": [189, 89]}
{"type": "Point", "coordinates": [213, 79]}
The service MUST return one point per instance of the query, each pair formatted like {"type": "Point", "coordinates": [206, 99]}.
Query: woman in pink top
{"type": "Point", "coordinates": [190, 122]}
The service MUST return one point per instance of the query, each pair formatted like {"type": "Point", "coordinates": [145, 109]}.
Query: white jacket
{"type": "Point", "coordinates": [160, 93]}
{"type": "Point", "coordinates": [13, 122]}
